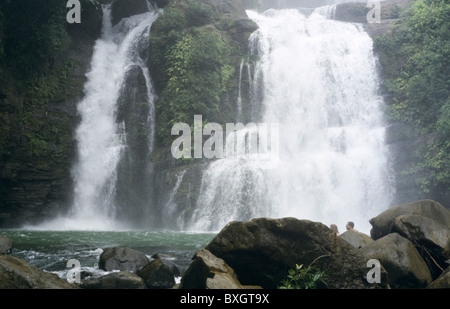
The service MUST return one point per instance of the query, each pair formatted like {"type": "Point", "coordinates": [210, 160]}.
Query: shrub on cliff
{"type": "Point", "coordinates": [192, 62]}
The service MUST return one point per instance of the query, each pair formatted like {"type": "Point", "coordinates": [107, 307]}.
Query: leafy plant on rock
{"type": "Point", "coordinates": [302, 278]}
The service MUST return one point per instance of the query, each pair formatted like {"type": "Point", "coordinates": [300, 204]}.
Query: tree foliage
{"type": "Point", "coordinates": [34, 34]}
{"type": "Point", "coordinates": [190, 66]}
{"type": "Point", "coordinates": [416, 62]}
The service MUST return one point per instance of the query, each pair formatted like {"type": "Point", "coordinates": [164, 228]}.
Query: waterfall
{"type": "Point", "coordinates": [239, 100]}
{"type": "Point", "coordinates": [319, 82]}
{"type": "Point", "coordinates": [103, 138]}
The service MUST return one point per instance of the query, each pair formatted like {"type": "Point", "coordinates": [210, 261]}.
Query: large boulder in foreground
{"type": "Point", "coordinates": [431, 238]}
{"type": "Point", "coordinates": [120, 258]}
{"type": "Point", "coordinates": [157, 275]}
{"type": "Point", "coordinates": [15, 273]}
{"type": "Point", "coordinates": [402, 261]}
{"type": "Point", "coordinates": [382, 224]}
{"type": "Point", "coordinates": [356, 239]}
{"type": "Point", "coordinates": [262, 251]}
{"type": "Point", "coordinates": [210, 272]}
{"type": "Point", "coordinates": [425, 223]}
{"type": "Point", "coordinates": [6, 245]}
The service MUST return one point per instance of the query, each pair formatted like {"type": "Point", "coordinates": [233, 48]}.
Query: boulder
{"type": "Point", "coordinates": [116, 280]}
{"type": "Point", "coordinates": [442, 282]}
{"type": "Point", "coordinates": [6, 245]}
{"type": "Point", "coordinates": [118, 258]}
{"type": "Point", "coordinates": [15, 273]}
{"type": "Point", "coordinates": [241, 29]}
{"type": "Point", "coordinates": [157, 275]}
{"type": "Point", "coordinates": [382, 224]}
{"type": "Point", "coordinates": [402, 261]}
{"type": "Point", "coordinates": [262, 251]}
{"type": "Point", "coordinates": [356, 239]}
{"type": "Point", "coordinates": [166, 259]}
{"type": "Point", "coordinates": [431, 239]}
{"type": "Point", "coordinates": [210, 272]}
{"type": "Point", "coordinates": [425, 223]}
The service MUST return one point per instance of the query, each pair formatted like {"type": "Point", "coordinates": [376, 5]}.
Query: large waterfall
{"type": "Point", "coordinates": [315, 80]}
{"type": "Point", "coordinates": [118, 87]}
{"type": "Point", "coordinates": [319, 83]}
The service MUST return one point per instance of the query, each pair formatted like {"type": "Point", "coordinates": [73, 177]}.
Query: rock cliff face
{"type": "Point", "coordinates": [38, 109]}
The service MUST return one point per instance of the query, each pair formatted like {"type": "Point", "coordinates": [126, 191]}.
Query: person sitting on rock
{"type": "Point", "coordinates": [350, 226]}
{"type": "Point", "coordinates": [334, 228]}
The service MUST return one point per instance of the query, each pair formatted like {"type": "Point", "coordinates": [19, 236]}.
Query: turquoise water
{"type": "Point", "coordinates": [50, 250]}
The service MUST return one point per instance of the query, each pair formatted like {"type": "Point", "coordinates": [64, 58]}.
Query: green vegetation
{"type": "Point", "coordinates": [38, 75]}
{"type": "Point", "coordinates": [35, 34]}
{"type": "Point", "coordinates": [416, 62]}
{"type": "Point", "coordinates": [302, 278]}
{"type": "Point", "coordinates": [191, 66]}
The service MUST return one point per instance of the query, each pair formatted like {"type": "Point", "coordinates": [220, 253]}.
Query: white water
{"type": "Point", "coordinates": [320, 84]}
{"type": "Point", "coordinates": [100, 139]}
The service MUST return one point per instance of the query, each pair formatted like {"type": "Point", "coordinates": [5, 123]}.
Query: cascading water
{"type": "Point", "coordinates": [319, 82]}
{"type": "Point", "coordinates": [101, 137]}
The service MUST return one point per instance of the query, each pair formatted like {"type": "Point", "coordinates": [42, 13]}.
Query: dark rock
{"type": "Point", "coordinates": [121, 9]}
{"type": "Point", "coordinates": [15, 273]}
{"type": "Point", "coordinates": [402, 261]}
{"type": "Point", "coordinates": [356, 239]}
{"type": "Point", "coordinates": [161, 3]}
{"type": "Point", "coordinates": [425, 231]}
{"type": "Point", "coordinates": [403, 145]}
{"type": "Point", "coordinates": [166, 259]}
{"type": "Point", "coordinates": [263, 250]}
{"type": "Point", "coordinates": [126, 259]}
{"type": "Point", "coordinates": [38, 184]}
{"type": "Point", "coordinates": [157, 275]}
{"type": "Point", "coordinates": [6, 245]}
{"type": "Point", "coordinates": [241, 30]}
{"type": "Point", "coordinates": [382, 224]}
{"type": "Point", "coordinates": [431, 238]}
{"type": "Point", "coordinates": [162, 256]}
{"type": "Point", "coordinates": [116, 280]}
{"type": "Point", "coordinates": [209, 272]}
{"type": "Point", "coordinates": [177, 191]}
{"type": "Point", "coordinates": [425, 223]}
{"type": "Point", "coordinates": [90, 28]}
{"type": "Point", "coordinates": [134, 187]}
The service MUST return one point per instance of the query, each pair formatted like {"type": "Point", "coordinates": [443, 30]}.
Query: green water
{"type": "Point", "coordinates": [50, 251]}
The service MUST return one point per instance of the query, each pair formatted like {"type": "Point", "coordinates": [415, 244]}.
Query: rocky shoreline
{"type": "Point", "coordinates": [410, 241]}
